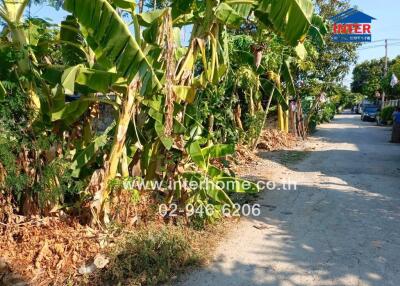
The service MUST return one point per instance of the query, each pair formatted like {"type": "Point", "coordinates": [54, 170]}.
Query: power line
{"type": "Point", "coordinates": [377, 41]}
{"type": "Point", "coordinates": [377, 46]}
{"type": "Point", "coordinates": [370, 47]}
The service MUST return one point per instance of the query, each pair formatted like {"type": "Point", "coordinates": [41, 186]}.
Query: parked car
{"type": "Point", "coordinates": [369, 113]}
{"type": "Point", "coordinates": [356, 109]}
{"type": "Point", "coordinates": [364, 104]}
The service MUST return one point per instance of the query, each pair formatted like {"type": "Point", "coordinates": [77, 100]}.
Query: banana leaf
{"type": "Point", "coordinates": [186, 93]}
{"type": "Point", "coordinates": [3, 92]}
{"type": "Point", "coordinates": [287, 76]}
{"type": "Point", "coordinates": [228, 16]}
{"type": "Point", "coordinates": [267, 86]}
{"type": "Point", "coordinates": [231, 184]}
{"type": "Point", "coordinates": [181, 8]}
{"type": "Point", "coordinates": [68, 79]}
{"type": "Point", "coordinates": [217, 193]}
{"type": "Point", "coordinates": [318, 30]}
{"type": "Point", "coordinates": [83, 157]}
{"type": "Point", "coordinates": [95, 80]}
{"type": "Point", "coordinates": [289, 18]}
{"type": "Point", "coordinates": [165, 140]}
{"type": "Point", "coordinates": [301, 51]}
{"type": "Point", "coordinates": [218, 151]}
{"type": "Point", "coordinates": [71, 111]}
{"type": "Point", "coordinates": [113, 42]}
{"type": "Point", "coordinates": [196, 154]}
{"type": "Point", "coordinates": [125, 4]}
{"type": "Point", "coordinates": [211, 189]}
{"type": "Point", "coordinates": [236, 185]}
{"type": "Point", "coordinates": [72, 42]}
{"type": "Point", "coordinates": [146, 19]}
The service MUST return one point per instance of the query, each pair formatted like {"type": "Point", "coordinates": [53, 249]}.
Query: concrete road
{"type": "Point", "coordinates": [341, 226]}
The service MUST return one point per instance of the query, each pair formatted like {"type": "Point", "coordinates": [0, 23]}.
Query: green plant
{"type": "Point", "coordinates": [386, 113]}
{"type": "Point", "coordinates": [167, 123]}
{"type": "Point", "coordinates": [173, 104]}
{"type": "Point", "coordinates": [151, 256]}
{"type": "Point", "coordinates": [327, 112]}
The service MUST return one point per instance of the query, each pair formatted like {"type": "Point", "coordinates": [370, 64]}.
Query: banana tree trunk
{"type": "Point", "coordinates": [238, 115]}
{"type": "Point", "coordinates": [254, 146]}
{"type": "Point", "coordinates": [210, 128]}
{"type": "Point", "coordinates": [19, 39]}
{"type": "Point", "coordinates": [281, 120]}
{"type": "Point", "coordinates": [101, 205]}
{"type": "Point", "coordinates": [286, 117]}
{"type": "Point", "coordinates": [251, 104]}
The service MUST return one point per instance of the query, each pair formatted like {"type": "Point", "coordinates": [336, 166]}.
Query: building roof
{"type": "Point", "coordinates": [352, 16]}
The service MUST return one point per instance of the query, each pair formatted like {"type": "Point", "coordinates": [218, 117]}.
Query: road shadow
{"type": "Point", "coordinates": [309, 238]}
{"type": "Point", "coordinates": [340, 225]}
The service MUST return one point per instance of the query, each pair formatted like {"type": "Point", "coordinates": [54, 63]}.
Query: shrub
{"type": "Point", "coordinates": [150, 256]}
{"type": "Point", "coordinates": [328, 112]}
{"type": "Point", "coordinates": [386, 113]}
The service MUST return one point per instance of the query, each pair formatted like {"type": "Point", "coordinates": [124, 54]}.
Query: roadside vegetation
{"type": "Point", "coordinates": [166, 91]}
{"type": "Point", "coordinates": [368, 78]}
{"type": "Point", "coordinates": [370, 82]}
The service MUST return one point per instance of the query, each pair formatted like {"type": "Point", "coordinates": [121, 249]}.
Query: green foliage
{"type": "Point", "coordinates": [254, 125]}
{"type": "Point", "coordinates": [216, 101]}
{"type": "Point", "coordinates": [14, 181]}
{"type": "Point", "coordinates": [212, 184]}
{"type": "Point", "coordinates": [394, 69]}
{"type": "Point", "coordinates": [367, 78]}
{"type": "Point", "coordinates": [114, 45]}
{"type": "Point", "coordinates": [318, 110]}
{"type": "Point", "coordinates": [14, 111]}
{"type": "Point", "coordinates": [177, 109]}
{"type": "Point", "coordinates": [150, 256]}
{"type": "Point", "coordinates": [386, 113]}
{"type": "Point", "coordinates": [22, 158]}
{"type": "Point", "coordinates": [292, 18]}
{"type": "Point", "coordinates": [72, 42]}
{"type": "Point", "coordinates": [343, 98]}
{"type": "Point", "coordinates": [328, 112]}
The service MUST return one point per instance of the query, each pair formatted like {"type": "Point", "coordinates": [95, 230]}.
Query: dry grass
{"type": "Point", "coordinates": [51, 252]}
{"type": "Point", "coordinates": [141, 248]}
{"type": "Point", "coordinates": [157, 254]}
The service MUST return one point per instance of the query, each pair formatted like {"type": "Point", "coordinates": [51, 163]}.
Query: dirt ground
{"type": "Point", "coordinates": [339, 226]}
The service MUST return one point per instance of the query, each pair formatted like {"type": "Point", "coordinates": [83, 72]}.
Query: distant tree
{"type": "Point", "coordinates": [394, 69]}
{"type": "Point", "coordinates": [53, 3]}
{"type": "Point", "coordinates": [368, 77]}
{"type": "Point", "coordinates": [157, 4]}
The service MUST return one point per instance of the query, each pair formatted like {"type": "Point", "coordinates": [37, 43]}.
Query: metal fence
{"type": "Point", "coordinates": [395, 102]}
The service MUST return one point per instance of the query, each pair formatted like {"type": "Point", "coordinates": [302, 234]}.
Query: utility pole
{"type": "Point", "coordinates": [385, 71]}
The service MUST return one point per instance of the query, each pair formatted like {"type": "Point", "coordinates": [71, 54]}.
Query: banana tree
{"type": "Point", "coordinates": [155, 79]}
{"type": "Point", "coordinates": [11, 12]}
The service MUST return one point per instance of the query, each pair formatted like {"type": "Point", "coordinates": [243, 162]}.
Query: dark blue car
{"type": "Point", "coordinates": [369, 113]}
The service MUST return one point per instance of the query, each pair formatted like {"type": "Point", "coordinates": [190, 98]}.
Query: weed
{"type": "Point", "coordinates": [150, 256]}
{"type": "Point", "coordinates": [293, 157]}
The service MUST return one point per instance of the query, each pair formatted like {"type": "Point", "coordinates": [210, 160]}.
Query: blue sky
{"type": "Point", "coordinates": [387, 26]}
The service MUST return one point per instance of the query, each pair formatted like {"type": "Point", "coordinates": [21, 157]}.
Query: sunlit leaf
{"type": "Point", "coordinates": [196, 154]}
{"type": "Point", "coordinates": [290, 18]}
